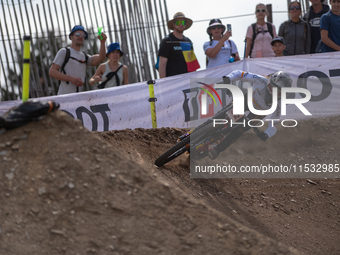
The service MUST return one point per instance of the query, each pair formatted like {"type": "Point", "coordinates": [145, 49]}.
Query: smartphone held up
{"type": "Point", "coordinates": [229, 27]}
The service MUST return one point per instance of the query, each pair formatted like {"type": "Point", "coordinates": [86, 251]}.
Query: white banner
{"type": "Point", "coordinates": [128, 106]}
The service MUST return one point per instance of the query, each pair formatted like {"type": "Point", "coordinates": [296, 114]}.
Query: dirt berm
{"type": "Point", "coordinates": [65, 190]}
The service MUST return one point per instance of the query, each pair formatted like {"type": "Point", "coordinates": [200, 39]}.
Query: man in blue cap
{"type": "Point", "coordinates": [69, 65]}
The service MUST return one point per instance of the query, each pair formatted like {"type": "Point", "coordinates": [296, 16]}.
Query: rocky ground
{"type": "Point", "coordinates": [65, 190]}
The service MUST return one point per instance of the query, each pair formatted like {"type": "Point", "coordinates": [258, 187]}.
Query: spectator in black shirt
{"type": "Point", "coordinates": [171, 58]}
{"type": "Point", "coordinates": [313, 17]}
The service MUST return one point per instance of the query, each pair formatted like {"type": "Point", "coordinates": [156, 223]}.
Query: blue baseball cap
{"type": "Point", "coordinates": [114, 46]}
{"type": "Point", "coordinates": [76, 28]}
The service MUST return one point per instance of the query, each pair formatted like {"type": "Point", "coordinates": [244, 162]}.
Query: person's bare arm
{"type": "Point", "coordinates": [248, 46]}
{"type": "Point", "coordinates": [325, 39]}
{"type": "Point", "coordinates": [125, 75]}
{"type": "Point", "coordinates": [56, 74]}
{"type": "Point", "coordinates": [98, 74]}
{"type": "Point", "coordinates": [212, 52]}
{"type": "Point", "coordinates": [98, 58]}
{"type": "Point", "coordinates": [237, 57]}
{"type": "Point", "coordinates": [162, 66]}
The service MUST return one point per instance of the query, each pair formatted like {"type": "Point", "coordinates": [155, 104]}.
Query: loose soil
{"type": "Point", "coordinates": [66, 190]}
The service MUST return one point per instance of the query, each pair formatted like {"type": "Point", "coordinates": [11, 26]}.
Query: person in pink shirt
{"type": "Point", "coordinates": [259, 35]}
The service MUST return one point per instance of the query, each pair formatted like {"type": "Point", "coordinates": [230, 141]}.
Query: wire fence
{"type": "Point", "coordinates": [138, 25]}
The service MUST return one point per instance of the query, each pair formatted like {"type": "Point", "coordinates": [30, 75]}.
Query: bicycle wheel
{"type": "Point", "coordinates": [182, 146]}
{"type": "Point", "coordinates": [194, 135]}
{"type": "Point", "coordinates": [173, 152]}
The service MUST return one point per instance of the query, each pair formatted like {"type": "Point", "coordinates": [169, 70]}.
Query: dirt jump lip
{"type": "Point", "coordinates": [76, 191]}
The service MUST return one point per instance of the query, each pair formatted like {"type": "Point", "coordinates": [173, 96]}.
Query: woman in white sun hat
{"type": "Point", "coordinates": [220, 49]}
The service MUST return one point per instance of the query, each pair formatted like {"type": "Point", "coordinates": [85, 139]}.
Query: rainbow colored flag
{"type": "Point", "coordinates": [189, 56]}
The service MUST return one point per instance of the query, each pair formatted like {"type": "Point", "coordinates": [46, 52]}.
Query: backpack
{"type": "Point", "coordinates": [157, 62]}
{"type": "Point", "coordinates": [67, 58]}
{"type": "Point", "coordinates": [109, 76]}
{"type": "Point", "coordinates": [270, 31]}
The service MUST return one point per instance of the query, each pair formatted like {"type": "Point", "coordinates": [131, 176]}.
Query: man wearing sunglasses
{"type": "Point", "coordinates": [172, 59]}
{"type": "Point", "coordinates": [69, 65]}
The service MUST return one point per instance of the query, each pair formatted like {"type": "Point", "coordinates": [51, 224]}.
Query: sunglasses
{"type": "Point", "coordinates": [218, 27]}
{"type": "Point", "coordinates": [261, 10]}
{"type": "Point", "coordinates": [180, 22]}
{"type": "Point", "coordinates": [80, 34]}
{"type": "Point", "coordinates": [295, 8]}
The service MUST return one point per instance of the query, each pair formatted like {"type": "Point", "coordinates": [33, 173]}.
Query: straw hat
{"type": "Point", "coordinates": [179, 16]}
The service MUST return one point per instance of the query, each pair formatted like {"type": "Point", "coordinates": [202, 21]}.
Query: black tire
{"type": "Point", "coordinates": [181, 146]}
{"type": "Point", "coordinates": [173, 152]}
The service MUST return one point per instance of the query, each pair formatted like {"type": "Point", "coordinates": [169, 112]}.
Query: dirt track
{"type": "Point", "coordinates": [65, 190]}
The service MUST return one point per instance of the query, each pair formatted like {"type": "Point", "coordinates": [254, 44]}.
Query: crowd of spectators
{"type": "Point", "coordinates": [317, 31]}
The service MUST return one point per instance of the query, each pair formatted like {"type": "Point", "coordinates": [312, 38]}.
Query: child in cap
{"type": "Point", "coordinates": [278, 46]}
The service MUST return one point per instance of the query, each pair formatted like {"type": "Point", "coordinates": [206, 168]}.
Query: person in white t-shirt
{"type": "Point", "coordinates": [219, 50]}
{"type": "Point", "coordinates": [71, 70]}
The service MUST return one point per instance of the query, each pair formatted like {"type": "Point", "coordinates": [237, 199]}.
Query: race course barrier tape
{"type": "Point", "coordinates": [129, 107]}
